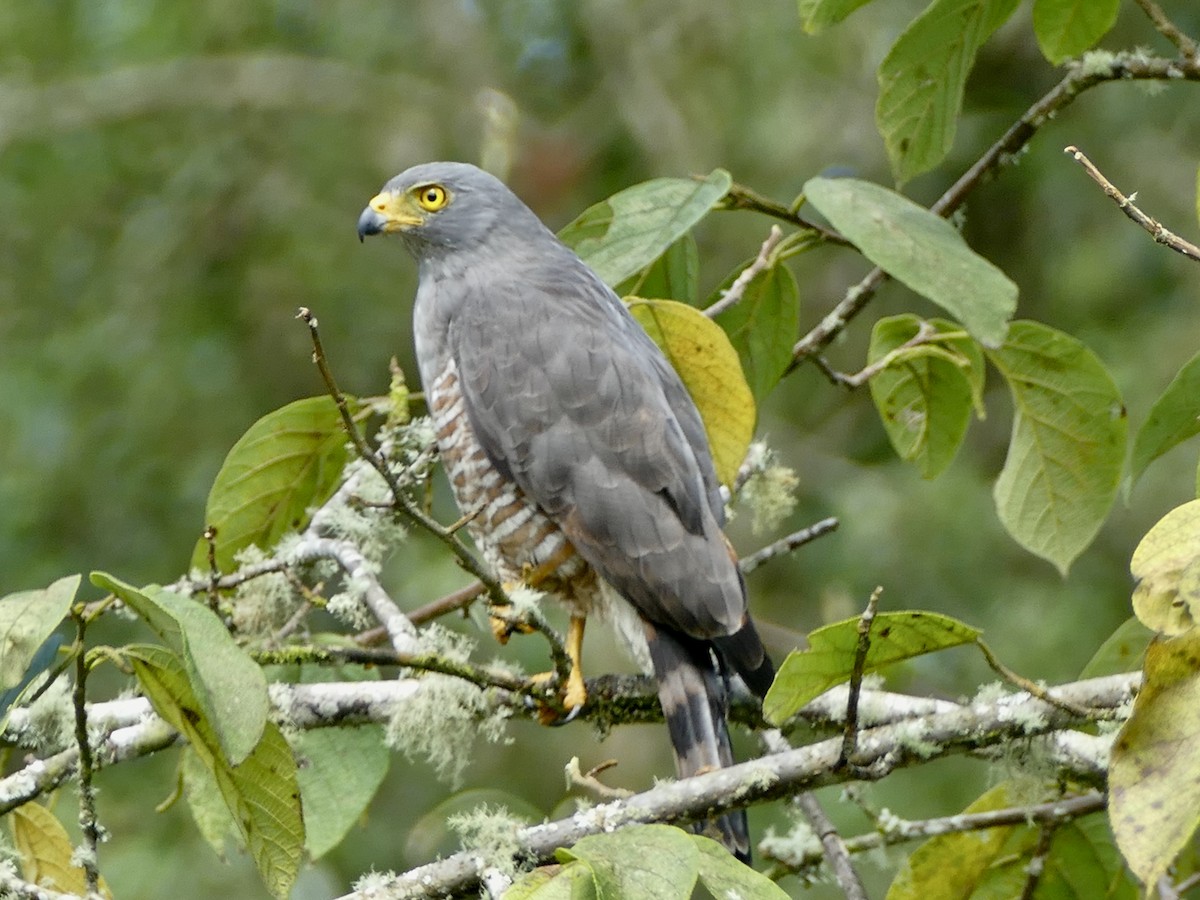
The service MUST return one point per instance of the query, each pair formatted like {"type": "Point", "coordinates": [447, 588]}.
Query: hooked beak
{"type": "Point", "coordinates": [387, 212]}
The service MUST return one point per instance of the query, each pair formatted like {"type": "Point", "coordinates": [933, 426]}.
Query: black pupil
{"type": "Point", "coordinates": [431, 196]}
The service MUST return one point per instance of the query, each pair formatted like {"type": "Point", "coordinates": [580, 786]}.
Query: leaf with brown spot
{"type": "Point", "coordinates": [1166, 566]}
{"type": "Point", "coordinates": [1154, 776]}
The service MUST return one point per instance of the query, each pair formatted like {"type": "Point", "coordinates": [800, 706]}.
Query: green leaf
{"type": "Point", "coordinates": [708, 366]}
{"type": "Point", "coordinates": [261, 792]}
{"type": "Point", "coordinates": [1154, 774]}
{"type": "Point", "coordinates": [1174, 417]}
{"type": "Point", "coordinates": [289, 460]}
{"type": "Point", "coordinates": [658, 861]}
{"type": "Point", "coordinates": [673, 276]}
{"type": "Point", "coordinates": [1084, 863]}
{"type": "Point", "coordinates": [925, 394]}
{"type": "Point", "coordinates": [229, 686]}
{"type": "Point", "coordinates": [921, 80]}
{"type": "Point", "coordinates": [1165, 567]}
{"type": "Point", "coordinates": [625, 233]}
{"type": "Point", "coordinates": [340, 769]}
{"type": "Point", "coordinates": [921, 250]}
{"type": "Point", "coordinates": [212, 817]}
{"type": "Point", "coordinates": [1068, 442]}
{"type": "Point", "coordinates": [952, 866]}
{"type": "Point", "coordinates": [723, 875]}
{"type": "Point", "coordinates": [1121, 652]}
{"type": "Point", "coordinates": [27, 619]}
{"type": "Point", "coordinates": [819, 14]}
{"type": "Point", "coordinates": [1066, 28]}
{"type": "Point", "coordinates": [1081, 862]}
{"type": "Point", "coordinates": [829, 659]}
{"type": "Point", "coordinates": [573, 881]}
{"type": "Point", "coordinates": [762, 327]}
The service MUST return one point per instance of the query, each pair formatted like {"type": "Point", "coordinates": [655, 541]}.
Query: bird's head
{"type": "Point", "coordinates": [442, 206]}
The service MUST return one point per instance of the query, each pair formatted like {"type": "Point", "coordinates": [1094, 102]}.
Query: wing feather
{"type": "Point", "coordinates": [569, 396]}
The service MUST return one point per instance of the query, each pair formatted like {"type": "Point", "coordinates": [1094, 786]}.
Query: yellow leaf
{"type": "Point", "coordinates": [45, 851]}
{"type": "Point", "coordinates": [1166, 565]}
{"type": "Point", "coordinates": [709, 368]}
{"type": "Point", "coordinates": [1154, 776]}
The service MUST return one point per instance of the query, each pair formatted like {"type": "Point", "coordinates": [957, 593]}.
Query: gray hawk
{"type": "Point", "coordinates": [574, 448]}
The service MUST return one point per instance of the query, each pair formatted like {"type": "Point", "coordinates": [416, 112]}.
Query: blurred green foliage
{"type": "Point", "coordinates": [176, 179]}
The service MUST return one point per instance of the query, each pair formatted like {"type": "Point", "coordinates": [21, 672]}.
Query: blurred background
{"type": "Point", "coordinates": [176, 179]}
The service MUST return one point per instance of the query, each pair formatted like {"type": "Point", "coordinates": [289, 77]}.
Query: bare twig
{"type": "Point", "coordinates": [1123, 66]}
{"type": "Point", "coordinates": [865, 621]}
{"type": "Point", "coordinates": [1192, 881]}
{"type": "Point", "coordinates": [742, 197]}
{"type": "Point", "coordinates": [589, 782]}
{"type": "Point", "coordinates": [836, 853]}
{"type": "Point", "coordinates": [761, 263]}
{"type": "Point", "coordinates": [787, 544]}
{"type": "Point", "coordinates": [89, 825]}
{"type": "Point", "coordinates": [214, 574]}
{"type": "Point", "coordinates": [897, 831]}
{"type": "Point", "coordinates": [926, 333]}
{"type": "Point", "coordinates": [1168, 29]}
{"type": "Point", "coordinates": [1037, 861]}
{"type": "Point", "coordinates": [1160, 234]}
{"type": "Point", "coordinates": [375, 460]}
{"type": "Point", "coordinates": [452, 602]}
{"type": "Point", "coordinates": [1024, 683]}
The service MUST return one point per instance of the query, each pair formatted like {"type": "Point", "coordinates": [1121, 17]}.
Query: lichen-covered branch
{"type": "Point", "coordinates": [881, 750]}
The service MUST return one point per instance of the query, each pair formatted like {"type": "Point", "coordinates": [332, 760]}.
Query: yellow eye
{"type": "Point", "coordinates": [432, 197]}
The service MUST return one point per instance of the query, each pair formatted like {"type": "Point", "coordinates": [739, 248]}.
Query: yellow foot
{"type": "Point", "coordinates": [504, 621]}
{"type": "Point", "coordinates": [569, 703]}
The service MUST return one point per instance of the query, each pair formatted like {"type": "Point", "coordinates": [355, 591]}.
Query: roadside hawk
{"type": "Point", "coordinates": [574, 448]}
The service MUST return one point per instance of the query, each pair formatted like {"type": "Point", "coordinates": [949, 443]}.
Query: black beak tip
{"type": "Point", "coordinates": [370, 222]}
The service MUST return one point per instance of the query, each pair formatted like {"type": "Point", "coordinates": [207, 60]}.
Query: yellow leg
{"type": "Point", "coordinates": [576, 693]}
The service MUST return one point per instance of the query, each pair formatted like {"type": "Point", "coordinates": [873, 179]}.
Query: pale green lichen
{"type": "Point", "coordinates": [770, 489]}
{"type": "Point", "coordinates": [349, 606]}
{"type": "Point", "coordinates": [490, 832]}
{"type": "Point", "coordinates": [260, 606]}
{"type": "Point", "coordinates": [441, 722]}
{"type": "Point", "coordinates": [793, 847]}
{"type": "Point", "coordinates": [52, 718]}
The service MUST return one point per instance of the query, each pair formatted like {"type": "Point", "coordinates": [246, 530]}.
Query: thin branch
{"type": "Point", "coordinates": [787, 544]}
{"type": "Point", "coordinates": [452, 602]}
{"type": "Point", "coordinates": [88, 823]}
{"type": "Point", "coordinates": [1081, 77]}
{"type": "Point", "coordinates": [589, 782]}
{"type": "Point", "coordinates": [742, 197]}
{"type": "Point", "coordinates": [1024, 683]}
{"type": "Point", "coordinates": [360, 572]}
{"type": "Point", "coordinates": [479, 676]}
{"type": "Point", "coordinates": [1160, 234]}
{"type": "Point", "coordinates": [1168, 29]}
{"type": "Point", "coordinates": [865, 621]}
{"type": "Point", "coordinates": [1037, 860]}
{"type": "Point", "coordinates": [403, 506]}
{"type": "Point", "coordinates": [926, 334]}
{"type": "Point", "coordinates": [761, 263]}
{"type": "Point", "coordinates": [214, 574]}
{"type": "Point", "coordinates": [836, 853]}
{"type": "Point", "coordinates": [1188, 883]}
{"type": "Point", "coordinates": [892, 830]}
